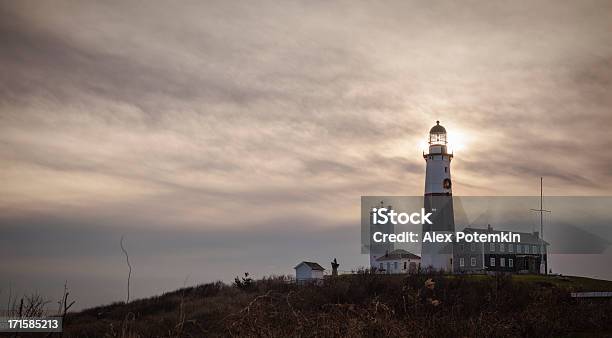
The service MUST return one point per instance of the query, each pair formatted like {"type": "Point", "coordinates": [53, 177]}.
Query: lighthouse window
{"type": "Point", "coordinates": [445, 169]}
{"type": "Point", "coordinates": [447, 183]}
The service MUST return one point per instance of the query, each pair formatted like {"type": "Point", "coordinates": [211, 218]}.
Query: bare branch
{"type": "Point", "coordinates": [127, 259]}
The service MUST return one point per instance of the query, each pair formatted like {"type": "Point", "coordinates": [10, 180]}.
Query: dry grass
{"type": "Point", "coordinates": [354, 305]}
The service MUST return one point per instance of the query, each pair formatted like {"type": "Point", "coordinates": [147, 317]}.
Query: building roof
{"type": "Point", "coordinates": [437, 129]}
{"type": "Point", "coordinates": [312, 265]}
{"type": "Point", "coordinates": [397, 254]}
{"type": "Point", "coordinates": [526, 237]}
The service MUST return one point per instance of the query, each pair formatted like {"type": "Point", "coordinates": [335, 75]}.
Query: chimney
{"type": "Point", "coordinates": [489, 227]}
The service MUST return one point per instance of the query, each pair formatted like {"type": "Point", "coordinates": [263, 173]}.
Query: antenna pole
{"type": "Point", "coordinates": [542, 225]}
{"type": "Point", "coordinates": [541, 208]}
{"type": "Point", "coordinates": [542, 211]}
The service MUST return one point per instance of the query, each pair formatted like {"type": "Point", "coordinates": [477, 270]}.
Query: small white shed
{"type": "Point", "coordinates": [308, 272]}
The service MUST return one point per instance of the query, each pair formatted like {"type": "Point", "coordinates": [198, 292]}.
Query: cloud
{"type": "Point", "coordinates": [173, 116]}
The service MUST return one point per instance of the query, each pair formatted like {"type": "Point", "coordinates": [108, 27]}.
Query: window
{"type": "Point", "coordinates": [534, 249]}
{"type": "Point", "coordinates": [492, 247]}
{"type": "Point", "coordinates": [492, 261]}
{"type": "Point", "coordinates": [502, 247]}
{"type": "Point", "coordinates": [526, 247]}
{"type": "Point", "coordinates": [460, 247]}
{"type": "Point", "coordinates": [381, 266]}
{"type": "Point", "coordinates": [502, 261]}
{"type": "Point", "coordinates": [388, 266]}
{"type": "Point", "coordinates": [473, 261]}
{"type": "Point", "coordinates": [510, 247]}
{"type": "Point", "coordinates": [405, 264]}
{"type": "Point", "coordinates": [511, 262]}
{"type": "Point", "coordinates": [445, 169]}
{"type": "Point", "coordinates": [518, 248]}
{"type": "Point", "coordinates": [461, 262]}
{"type": "Point", "coordinates": [394, 265]}
{"type": "Point", "coordinates": [473, 246]}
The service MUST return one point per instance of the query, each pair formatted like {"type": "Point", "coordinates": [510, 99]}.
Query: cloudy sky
{"type": "Point", "coordinates": [217, 136]}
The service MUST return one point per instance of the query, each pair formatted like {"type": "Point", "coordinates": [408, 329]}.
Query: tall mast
{"type": "Point", "coordinates": [542, 225]}
{"type": "Point", "coordinates": [541, 202]}
{"type": "Point", "coordinates": [542, 211]}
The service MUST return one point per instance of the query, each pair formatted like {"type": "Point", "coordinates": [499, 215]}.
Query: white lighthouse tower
{"type": "Point", "coordinates": [439, 201]}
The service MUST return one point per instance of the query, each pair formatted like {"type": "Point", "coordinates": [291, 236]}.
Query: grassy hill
{"type": "Point", "coordinates": [360, 305]}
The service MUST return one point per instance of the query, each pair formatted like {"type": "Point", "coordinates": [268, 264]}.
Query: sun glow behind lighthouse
{"type": "Point", "coordinates": [458, 141]}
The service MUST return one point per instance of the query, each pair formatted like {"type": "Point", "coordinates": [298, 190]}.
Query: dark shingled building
{"type": "Point", "coordinates": [521, 257]}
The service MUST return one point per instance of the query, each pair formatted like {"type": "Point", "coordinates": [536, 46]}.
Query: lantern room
{"type": "Point", "coordinates": [437, 135]}
{"type": "Point", "coordinates": [437, 142]}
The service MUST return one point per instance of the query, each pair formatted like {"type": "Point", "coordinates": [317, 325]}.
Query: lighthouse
{"type": "Point", "coordinates": [439, 201]}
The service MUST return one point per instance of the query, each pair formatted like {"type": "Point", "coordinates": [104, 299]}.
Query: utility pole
{"type": "Point", "coordinates": [542, 211]}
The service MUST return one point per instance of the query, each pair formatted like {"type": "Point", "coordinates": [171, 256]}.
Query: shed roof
{"type": "Point", "coordinates": [398, 254]}
{"type": "Point", "coordinates": [312, 265]}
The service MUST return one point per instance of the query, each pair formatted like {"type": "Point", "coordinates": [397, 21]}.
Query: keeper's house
{"type": "Point", "coordinates": [398, 261]}
{"type": "Point", "coordinates": [522, 257]}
